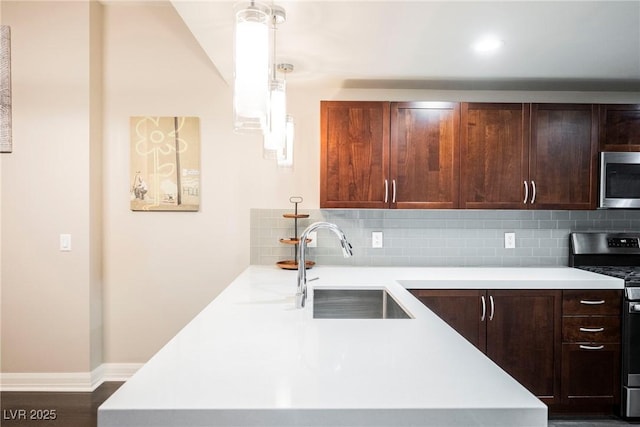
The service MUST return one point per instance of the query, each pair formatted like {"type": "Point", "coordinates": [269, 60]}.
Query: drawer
{"type": "Point", "coordinates": [586, 303]}
{"type": "Point", "coordinates": [600, 329]}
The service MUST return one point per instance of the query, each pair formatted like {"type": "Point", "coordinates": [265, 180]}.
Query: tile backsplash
{"type": "Point", "coordinates": [435, 237]}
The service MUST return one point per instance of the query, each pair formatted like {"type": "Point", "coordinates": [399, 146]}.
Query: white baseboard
{"type": "Point", "coordinates": [118, 371]}
{"type": "Point", "coordinates": [67, 381]}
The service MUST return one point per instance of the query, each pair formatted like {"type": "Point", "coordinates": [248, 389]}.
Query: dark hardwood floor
{"type": "Point", "coordinates": [39, 409]}
{"type": "Point", "coordinates": [29, 409]}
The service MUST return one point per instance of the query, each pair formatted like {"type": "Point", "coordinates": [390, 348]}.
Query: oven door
{"type": "Point", "coordinates": [619, 180]}
{"type": "Point", "coordinates": [631, 354]}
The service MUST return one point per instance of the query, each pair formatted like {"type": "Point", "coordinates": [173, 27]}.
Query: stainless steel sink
{"type": "Point", "coordinates": [356, 304]}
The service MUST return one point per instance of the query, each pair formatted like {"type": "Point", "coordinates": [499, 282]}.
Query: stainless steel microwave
{"type": "Point", "coordinates": [619, 180]}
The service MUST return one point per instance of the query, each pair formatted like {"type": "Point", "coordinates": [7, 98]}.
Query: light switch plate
{"type": "Point", "coordinates": [65, 242]}
{"type": "Point", "coordinates": [376, 239]}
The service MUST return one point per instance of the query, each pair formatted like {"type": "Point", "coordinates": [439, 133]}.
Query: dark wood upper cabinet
{"type": "Point", "coordinates": [354, 154]}
{"type": "Point", "coordinates": [425, 155]}
{"type": "Point", "coordinates": [494, 155]}
{"type": "Point", "coordinates": [447, 155]}
{"type": "Point", "coordinates": [529, 156]}
{"type": "Point", "coordinates": [389, 155]}
{"type": "Point", "coordinates": [620, 127]}
{"type": "Point", "coordinates": [563, 160]}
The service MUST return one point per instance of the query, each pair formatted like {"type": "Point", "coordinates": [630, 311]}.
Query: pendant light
{"type": "Point", "coordinates": [275, 138]}
{"type": "Point", "coordinates": [251, 67]}
{"type": "Point", "coordinates": [285, 128]}
{"type": "Point", "coordinates": [285, 155]}
{"type": "Point", "coordinates": [274, 135]}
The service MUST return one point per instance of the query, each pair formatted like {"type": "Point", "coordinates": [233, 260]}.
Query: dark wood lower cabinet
{"type": "Point", "coordinates": [590, 374]}
{"type": "Point", "coordinates": [591, 354]}
{"type": "Point", "coordinates": [523, 338]}
{"type": "Point", "coordinates": [563, 346]}
{"type": "Point", "coordinates": [461, 309]}
{"type": "Point", "coordinates": [520, 330]}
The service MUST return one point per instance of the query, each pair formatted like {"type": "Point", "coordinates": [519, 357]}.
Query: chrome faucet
{"type": "Point", "coordinates": [301, 293]}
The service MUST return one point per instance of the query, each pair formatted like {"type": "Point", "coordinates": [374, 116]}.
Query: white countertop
{"type": "Point", "coordinates": [251, 359]}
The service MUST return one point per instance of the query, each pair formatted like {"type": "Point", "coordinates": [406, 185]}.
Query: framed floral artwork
{"type": "Point", "coordinates": [165, 163]}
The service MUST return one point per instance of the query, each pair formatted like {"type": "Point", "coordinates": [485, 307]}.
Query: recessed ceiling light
{"type": "Point", "coordinates": [488, 44]}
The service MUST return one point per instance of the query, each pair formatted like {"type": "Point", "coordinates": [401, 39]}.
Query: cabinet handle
{"type": "Point", "coordinates": [591, 329]}
{"type": "Point", "coordinates": [393, 186]}
{"type": "Point", "coordinates": [386, 190]}
{"type": "Point", "coordinates": [526, 192]}
{"type": "Point", "coordinates": [492, 307]}
{"type": "Point", "coordinates": [533, 196]}
{"type": "Point", "coordinates": [589, 302]}
{"type": "Point", "coordinates": [591, 347]}
{"type": "Point", "coordinates": [484, 308]}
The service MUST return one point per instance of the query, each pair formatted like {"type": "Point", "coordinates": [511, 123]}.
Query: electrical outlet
{"type": "Point", "coordinates": [376, 239]}
{"type": "Point", "coordinates": [509, 240]}
{"type": "Point", "coordinates": [313, 243]}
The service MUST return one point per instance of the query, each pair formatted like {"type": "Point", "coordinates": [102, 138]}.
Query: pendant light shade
{"type": "Point", "coordinates": [251, 73]}
{"type": "Point", "coordinates": [274, 139]}
{"type": "Point", "coordinates": [285, 155]}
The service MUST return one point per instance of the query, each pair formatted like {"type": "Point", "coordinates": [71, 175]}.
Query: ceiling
{"type": "Point", "coordinates": [554, 45]}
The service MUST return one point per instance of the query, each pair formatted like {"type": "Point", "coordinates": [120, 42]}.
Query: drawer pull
{"type": "Point", "coordinates": [591, 329]}
{"type": "Point", "coordinates": [591, 347]}
{"type": "Point", "coordinates": [590, 302]}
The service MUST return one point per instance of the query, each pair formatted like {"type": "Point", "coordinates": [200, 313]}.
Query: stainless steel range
{"type": "Point", "coordinates": [617, 255]}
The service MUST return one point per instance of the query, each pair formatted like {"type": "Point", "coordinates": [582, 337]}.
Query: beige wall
{"type": "Point", "coordinates": [46, 191]}
{"type": "Point", "coordinates": [134, 279]}
{"type": "Point", "coordinates": [161, 268]}
{"type": "Point", "coordinates": [95, 183]}
{"type": "Point", "coordinates": [1, 317]}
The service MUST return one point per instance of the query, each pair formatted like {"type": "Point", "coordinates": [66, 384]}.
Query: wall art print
{"type": "Point", "coordinates": [6, 144]}
{"type": "Point", "coordinates": [165, 163]}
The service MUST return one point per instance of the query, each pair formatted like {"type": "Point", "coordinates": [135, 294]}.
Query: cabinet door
{"type": "Point", "coordinates": [590, 374]}
{"type": "Point", "coordinates": [463, 310]}
{"type": "Point", "coordinates": [425, 155]}
{"type": "Point", "coordinates": [354, 156]}
{"type": "Point", "coordinates": [494, 155]}
{"type": "Point", "coordinates": [563, 166]}
{"type": "Point", "coordinates": [523, 338]}
{"type": "Point", "coordinates": [620, 127]}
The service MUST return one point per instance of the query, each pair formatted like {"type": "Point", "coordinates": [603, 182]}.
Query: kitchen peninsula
{"type": "Point", "coordinates": [251, 359]}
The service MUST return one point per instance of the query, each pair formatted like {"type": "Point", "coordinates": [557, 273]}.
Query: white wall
{"type": "Point", "coordinates": [134, 279]}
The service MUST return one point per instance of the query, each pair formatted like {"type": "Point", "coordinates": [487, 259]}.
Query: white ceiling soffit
{"type": "Point", "coordinates": [547, 45]}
